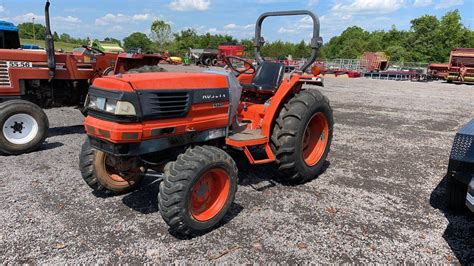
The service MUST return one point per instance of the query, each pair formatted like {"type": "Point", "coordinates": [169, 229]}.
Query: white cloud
{"type": "Point", "coordinates": [142, 17]}
{"type": "Point", "coordinates": [313, 3]}
{"type": "Point", "coordinates": [28, 17]}
{"type": "Point", "coordinates": [2, 9]}
{"type": "Point", "coordinates": [111, 19]}
{"type": "Point", "coordinates": [68, 19]}
{"type": "Point", "coordinates": [188, 5]}
{"type": "Point", "coordinates": [284, 30]}
{"type": "Point", "coordinates": [422, 3]}
{"type": "Point", "coordinates": [233, 26]}
{"type": "Point", "coordinates": [369, 6]}
{"type": "Point", "coordinates": [449, 3]}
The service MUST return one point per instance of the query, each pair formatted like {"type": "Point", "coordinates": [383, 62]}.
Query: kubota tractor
{"type": "Point", "coordinates": [33, 79]}
{"type": "Point", "coordinates": [177, 127]}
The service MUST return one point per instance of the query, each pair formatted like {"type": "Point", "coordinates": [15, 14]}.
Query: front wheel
{"type": "Point", "coordinates": [24, 127]}
{"type": "Point", "coordinates": [107, 174]}
{"type": "Point", "coordinates": [198, 190]}
{"type": "Point", "coordinates": [302, 136]}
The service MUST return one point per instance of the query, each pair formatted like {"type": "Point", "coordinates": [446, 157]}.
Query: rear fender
{"type": "Point", "coordinates": [287, 88]}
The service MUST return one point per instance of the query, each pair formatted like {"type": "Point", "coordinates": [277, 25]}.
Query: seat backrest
{"type": "Point", "coordinates": [269, 75]}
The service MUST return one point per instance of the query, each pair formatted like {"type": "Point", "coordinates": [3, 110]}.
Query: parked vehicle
{"type": "Point", "coordinates": [460, 177]}
{"type": "Point", "coordinates": [177, 127]}
{"type": "Point", "coordinates": [33, 79]}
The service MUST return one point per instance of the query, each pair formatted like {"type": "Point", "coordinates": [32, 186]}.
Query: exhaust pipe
{"type": "Point", "coordinates": [49, 44]}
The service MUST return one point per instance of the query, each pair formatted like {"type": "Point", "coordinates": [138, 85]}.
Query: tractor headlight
{"type": "Point", "coordinates": [110, 105]}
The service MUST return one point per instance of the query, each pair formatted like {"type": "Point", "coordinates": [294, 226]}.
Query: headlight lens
{"type": "Point", "coordinates": [110, 105]}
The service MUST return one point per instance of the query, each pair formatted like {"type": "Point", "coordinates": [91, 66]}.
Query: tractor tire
{"type": "Point", "coordinates": [456, 193]}
{"type": "Point", "coordinates": [198, 190]}
{"type": "Point", "coordinates": [214, 62]}
{"type": "Point", "coordinates": [208, 61]}
{"type": "Point", "coordinates": [146, 69]}
{"type": "Point", "coordinates": [24, 127]}
{"type": "Point", "coordinates": [302, 136]}
{"type": "Point", "coordinates": [109, 71]}
{"type": "Point", "coordinates": [101, 177]}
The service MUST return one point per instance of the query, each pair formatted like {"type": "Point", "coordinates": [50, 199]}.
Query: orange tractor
{"type": "Point", "coordinates": [34, 79]}
{"type": "Point", "coordinates": [177, 127]}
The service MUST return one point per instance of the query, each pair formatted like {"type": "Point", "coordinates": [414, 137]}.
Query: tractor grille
{"type": "Point", "coordinates": [165, 104]}
{"type": "Point", "coordinates": [4, 76]}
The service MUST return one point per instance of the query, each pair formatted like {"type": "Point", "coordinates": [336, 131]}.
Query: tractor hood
{"type": "Point", "coordinates": [162, 81]}
{"type": "Point", "coordinates": [160, 95]}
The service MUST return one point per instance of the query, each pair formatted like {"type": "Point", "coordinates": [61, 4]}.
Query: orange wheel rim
{"type": "Point", "coordinates": [209, 194]}
{"type": "Point", "coordinates": [315, 139]}
{"type": "Point", "coordinates": [115, 175]}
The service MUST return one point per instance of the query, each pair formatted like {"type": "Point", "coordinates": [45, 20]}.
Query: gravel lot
{"type": "Point", "coordinates": [380, 199]}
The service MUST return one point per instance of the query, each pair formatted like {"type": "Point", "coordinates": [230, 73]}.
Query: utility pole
{"type": "Point", "coordinates": [34, 31]}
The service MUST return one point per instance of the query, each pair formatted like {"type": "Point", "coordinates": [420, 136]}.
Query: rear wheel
{"type": "Point", "coordinates": [107, 174]}
{"type": "Point", "coordinates": [302, 136]}
{"type": "Point", "coordinates": [24, 127]}
{"type": "Point", "coordinates": [198, 190]}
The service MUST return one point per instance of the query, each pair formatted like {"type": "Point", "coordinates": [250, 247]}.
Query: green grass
{"type": "Point", "coordinates": [68, 47]}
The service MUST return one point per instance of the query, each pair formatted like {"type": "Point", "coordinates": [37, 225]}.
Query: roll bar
{"type": "Point", "coordinates": [49, 44]}
{"type": "Point", "coordinates": [316, 40]}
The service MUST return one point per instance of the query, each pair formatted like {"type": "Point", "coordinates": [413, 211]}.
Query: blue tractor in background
{"type": "Point", "coordinates": [460, 178]}
{"type": "Point", "coordinates": [9, 37]}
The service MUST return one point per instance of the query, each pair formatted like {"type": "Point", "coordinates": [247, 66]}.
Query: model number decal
{"type": "Point", "coordinates": [19, 64]}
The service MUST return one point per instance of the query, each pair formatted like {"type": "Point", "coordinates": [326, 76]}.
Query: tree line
{"type": "Point", "coordinates": [429, 39]}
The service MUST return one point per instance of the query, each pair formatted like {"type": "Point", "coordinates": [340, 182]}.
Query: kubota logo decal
{"type": "Point", "coordinates": [214, 96]}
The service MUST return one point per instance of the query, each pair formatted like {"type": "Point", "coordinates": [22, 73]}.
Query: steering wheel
{"type": "Point", "coordinates": [93, 49]}
{"type": "Point", "coordinates": [237, 71]}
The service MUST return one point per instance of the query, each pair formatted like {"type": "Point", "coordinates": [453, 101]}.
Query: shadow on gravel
{"type": "Point", "coordinates": [44, 147]}
{"type": "Point", "coordinates": [459, 233]}
{"type": "Point", "coordinates": [70, 130]}
{"type": "Point", "coordinates": [145, 201]}
{"type": "Point", "coordinates": [145, 198]}
{"type": "Point", "coordinates": [235, 209]}
{"type": "Point", "coordinates": [263, 177]}
{"type": "Point", "coordinates": [50, 146]}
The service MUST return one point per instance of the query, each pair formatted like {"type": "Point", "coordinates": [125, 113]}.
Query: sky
{"type": "Point", "coordinates": [97, 19]}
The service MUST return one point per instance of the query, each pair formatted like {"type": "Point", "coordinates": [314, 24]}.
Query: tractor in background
{"type": "Point", "coordinates": [178, 127]}
{"type": "Point", "coordinates": [461, 66]}
{"type": "Point", "coordinates": [31, 80]}
{"type": "Point", "coordinates": [216, 57]}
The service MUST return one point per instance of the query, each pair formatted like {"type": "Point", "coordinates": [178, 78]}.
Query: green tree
{"type": "Point", "coordinates": [112, 40]}
{"type": "Point", "coordinates": [161, 34]}
{"type": "Point", "coordinates": [56, 36]}
{"type": "Point", "coordinates": [423, 40]}
{"type": "Point", "coordinates": [452, 34]}
{"type": "Point", "coordinates": [137, 40]}
{"type": "Point", "coordinates": [26, 31]}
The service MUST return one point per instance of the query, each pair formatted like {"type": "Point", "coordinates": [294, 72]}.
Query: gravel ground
{"type": "Point", "coordinates": [379, 200]}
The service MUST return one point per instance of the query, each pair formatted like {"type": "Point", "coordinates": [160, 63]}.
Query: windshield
{"type": "Point", "coordinates": [466, 61]}
{"type": "Point", "coordinates": [9, 40]}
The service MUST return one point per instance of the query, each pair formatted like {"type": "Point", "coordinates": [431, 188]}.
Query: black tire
{"type": "Point", "coordinates": [289, 132]}
{"type": "Point", "coordinates": [176, 189]}
{"type": "Point", "coordinates": [214, 62]}
{"type": "Point", "coordinates": [95, 174]}
{"type": "Point", "coordinates": [16, 107]}
{"type": "Point", "coordinates": [109, 71]}
{"type": "Point", "coordinates": [146, 69]}
{"type": "Point", "coordinates": [456, 193]}
{"type": "Point", "coordinates": [208, 61]}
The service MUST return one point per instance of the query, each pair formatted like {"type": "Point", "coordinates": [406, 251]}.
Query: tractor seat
{"type": "Point", "coordinates": [267, 78]}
